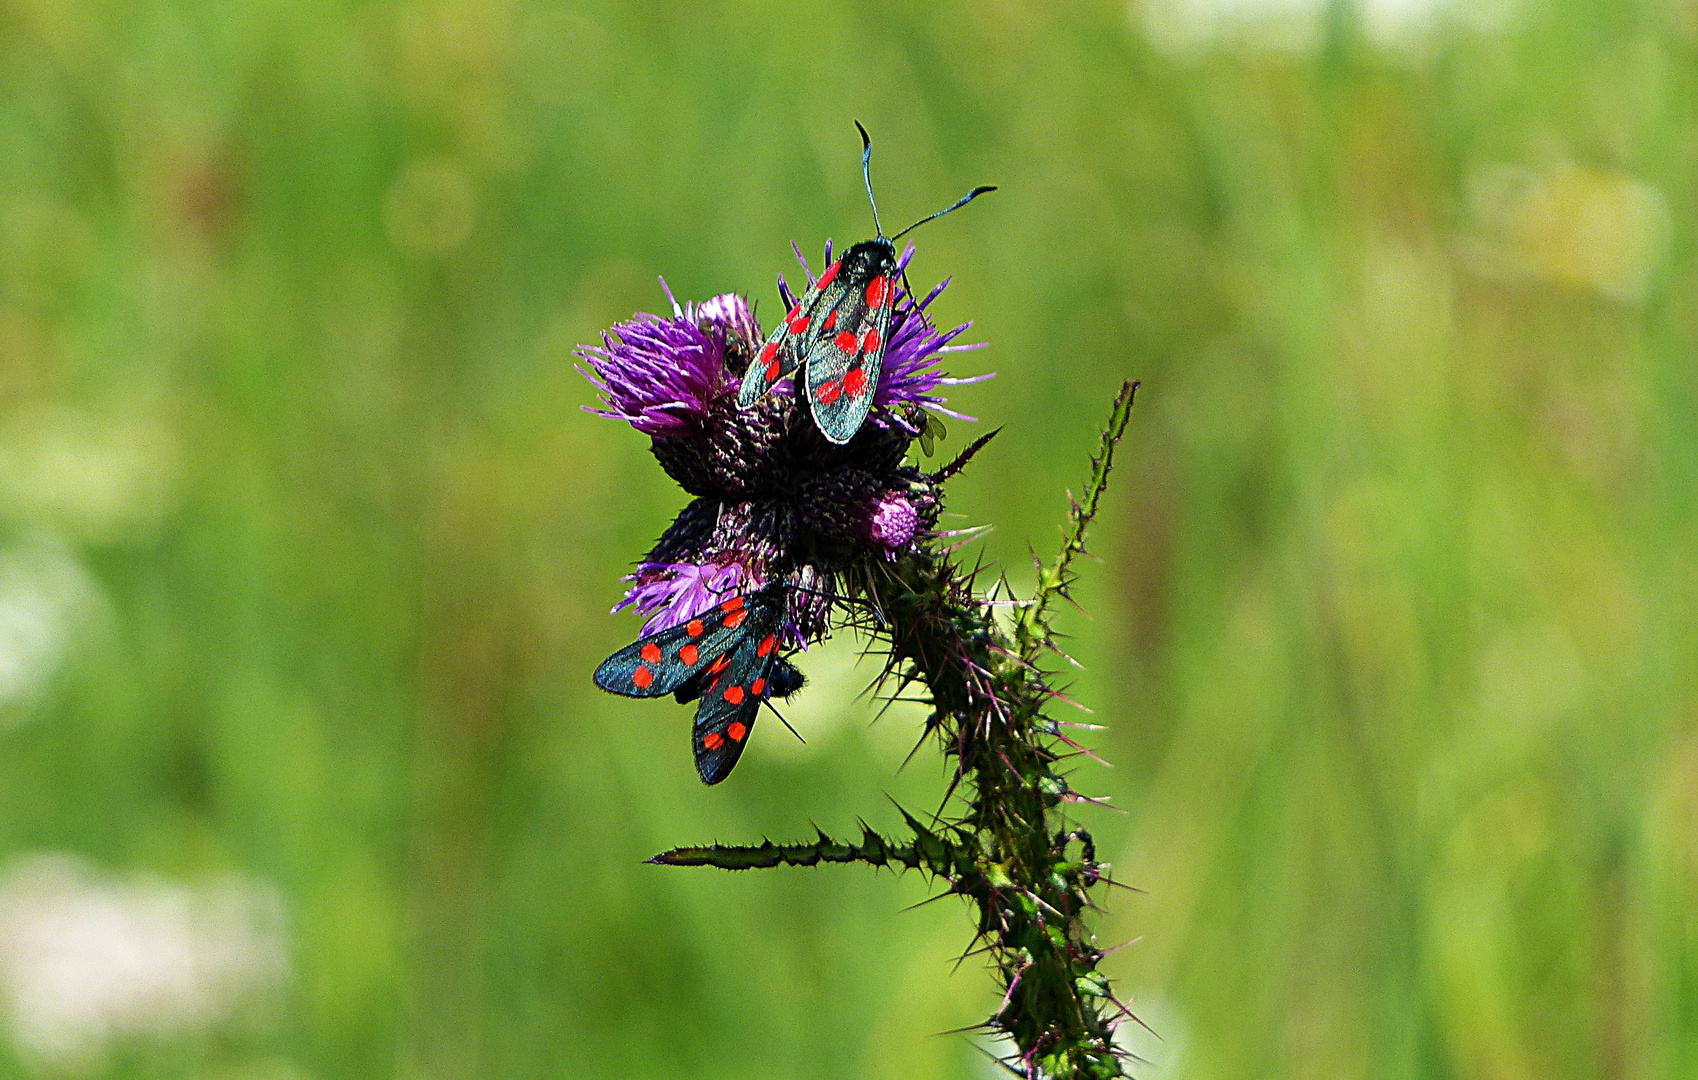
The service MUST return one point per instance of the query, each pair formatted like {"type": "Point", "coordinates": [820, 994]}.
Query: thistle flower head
{"type": "Point", "coordinates": [911, 374]}
{"type": "Point", "coordinates": [662, 374]}
{"type": "Point", "coordinates": [894, 522]}
{"type": "Point", "coordinates": [674, 593]}
{"type": "Point", "coordinates": [774, 498]}
{"type": "Point", "coordinates": [729, 311]}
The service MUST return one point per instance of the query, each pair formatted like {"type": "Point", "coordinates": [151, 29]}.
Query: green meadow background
{"type": "Point", "coordinates": [307, 548]}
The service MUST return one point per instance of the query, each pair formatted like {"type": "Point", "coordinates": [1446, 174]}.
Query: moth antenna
{"type": "Point", "coordinates": [878, 612]}
{"type": "Point", "coordinates": [768, 703]}
{"type": "Point", "coordinates": [958, 204]}
{"type": "Point", "coordinates": [867, 174]}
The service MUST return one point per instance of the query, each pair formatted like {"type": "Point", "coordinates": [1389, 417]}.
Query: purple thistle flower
{"type": "Point", "coordinates": [674, 593]}
{"type": "Point", "coordinates": [774, 499]}
{"type": "Point", "coordinates": [910, 373]}
{"type": "Point", "coordinates": [729, 310]}
{"type": "Point", "coordinates": [894, 522]}
{"type": "Point", "coordinates": [661, 374]}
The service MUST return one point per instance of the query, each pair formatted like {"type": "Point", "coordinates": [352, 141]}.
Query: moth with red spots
{"type": "Point", "coordinates": [727, 657]}
{"type": "Point", "coordinates": [839, 329]}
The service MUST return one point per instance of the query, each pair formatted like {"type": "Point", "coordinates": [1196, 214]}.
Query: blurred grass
{"type": "Point", "coordinates": [1394, 627]}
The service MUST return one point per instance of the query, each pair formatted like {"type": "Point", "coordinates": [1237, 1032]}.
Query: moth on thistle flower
{"type": "Point", "coordinates": [838, 331]}
{"type": "Point", "coordinates": [782, 512]}
{"type": "Point", "coordinates": [728, 657]}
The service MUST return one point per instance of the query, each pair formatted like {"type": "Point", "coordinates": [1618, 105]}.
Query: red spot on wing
{"type": "Point", "coordinates": [766, 645]}
{"type": "Point", "coordinates": [770, 353]}
{"type": "Point", "coordinates": [651, 653]}
{"type": "Point", "coordinates": [693, 628]}
{"type": "Point", "coordinates": [713, 740]}
{"type": "Point", "coordinates": [735, 619]}
{"type": "Point", "coordinates": [829, 275]}
{"type": "Point", "coordinates": [830, 323]}
{"type": "Point", "coordinates": [734, 694]}
{"type": "Point", "coordinates": [642, 677]}
{"type": "Point", "coordinates": [736, 731]}
{"type": "Point", "coordinates": [871, 343]}
{"type": "Point", "coordinates": [758, 688]}
{"type": "Point", "coordinates": [827, 393]}
{"type": "Point", "coordinates": [732, 604]}
{"type": "Point", "coordinates": [855, 383]}
{"type": "Point", "coordinates": [773, 371]}
{"type": "Point", "coordinates": [877, 289]}
{"type": "Point", "coordinates": [719, 665]}
{"type": "Point", "coordinates": [847, 342]}
{"type": "Point", "coordinates": [689, 654]}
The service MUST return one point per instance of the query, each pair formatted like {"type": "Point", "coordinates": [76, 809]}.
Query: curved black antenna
{"type": "Point", "coordinates": [867, 172]}
{"type": "Point", "coordinates": [963, 201]}
{"type": "Point", "coordinates": [768, 703]}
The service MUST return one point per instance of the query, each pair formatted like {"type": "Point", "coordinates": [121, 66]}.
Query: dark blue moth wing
{"type": "Point", "coordinates": [662, 662]}
{"type": "Point", "coordinates": [844, 359]}
{"type": "Point", "coordinates": [730, 702]}
{"type": "Point", "coordinates": [783, 680]}
{"type": "Point", "coordinates": [790, 341]}
{"type": "Point", "coordinates": [728, 657]}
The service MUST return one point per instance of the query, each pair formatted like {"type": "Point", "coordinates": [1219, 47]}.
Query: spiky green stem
{"type": "Point", "coordinates": [1009, 848]}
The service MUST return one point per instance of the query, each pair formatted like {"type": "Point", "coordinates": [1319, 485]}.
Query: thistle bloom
{"type": "Point", "coordinates": [894, 522]}
{"type": "Point", "coordinates": [916, 347]}
{"type": "Point", "coordinates": [728, 310]}
{"type": "Point", "coordinates": [773, 497]}
{"type": "Point", "coordinates": [673, 593]}
{"type": "Point", "coordinates": [662, 374]}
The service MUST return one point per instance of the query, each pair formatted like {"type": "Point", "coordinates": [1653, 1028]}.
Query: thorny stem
{"type": "Point", "coordinates": [1008, 847]}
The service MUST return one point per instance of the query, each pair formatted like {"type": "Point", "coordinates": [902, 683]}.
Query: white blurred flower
{"type": "Point", "coordinates": [45, 596]}
{"type": "Point", "coordinates": [87, 959]}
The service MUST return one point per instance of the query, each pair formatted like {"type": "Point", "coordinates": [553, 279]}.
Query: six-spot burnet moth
{"type": "Point", "coordinates": [727, 657]}
{"type": "Point", "coordinates": [838, 331]}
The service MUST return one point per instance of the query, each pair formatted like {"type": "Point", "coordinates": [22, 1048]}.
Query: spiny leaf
{"type": "Point", "coordinates": [1033, 627]}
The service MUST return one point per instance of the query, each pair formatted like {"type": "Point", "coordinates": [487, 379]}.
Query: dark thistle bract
{"type": "Point", "coordinates": [791, 534]}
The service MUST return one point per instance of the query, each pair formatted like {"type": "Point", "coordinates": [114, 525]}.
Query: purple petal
{"type": "Point", "coordinates": [675, 593]}
{"type": "Point", "coordinates": [660, 374]}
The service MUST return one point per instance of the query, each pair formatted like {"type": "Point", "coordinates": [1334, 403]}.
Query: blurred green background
{"type": "Point", "coordinates": [306, 548]}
